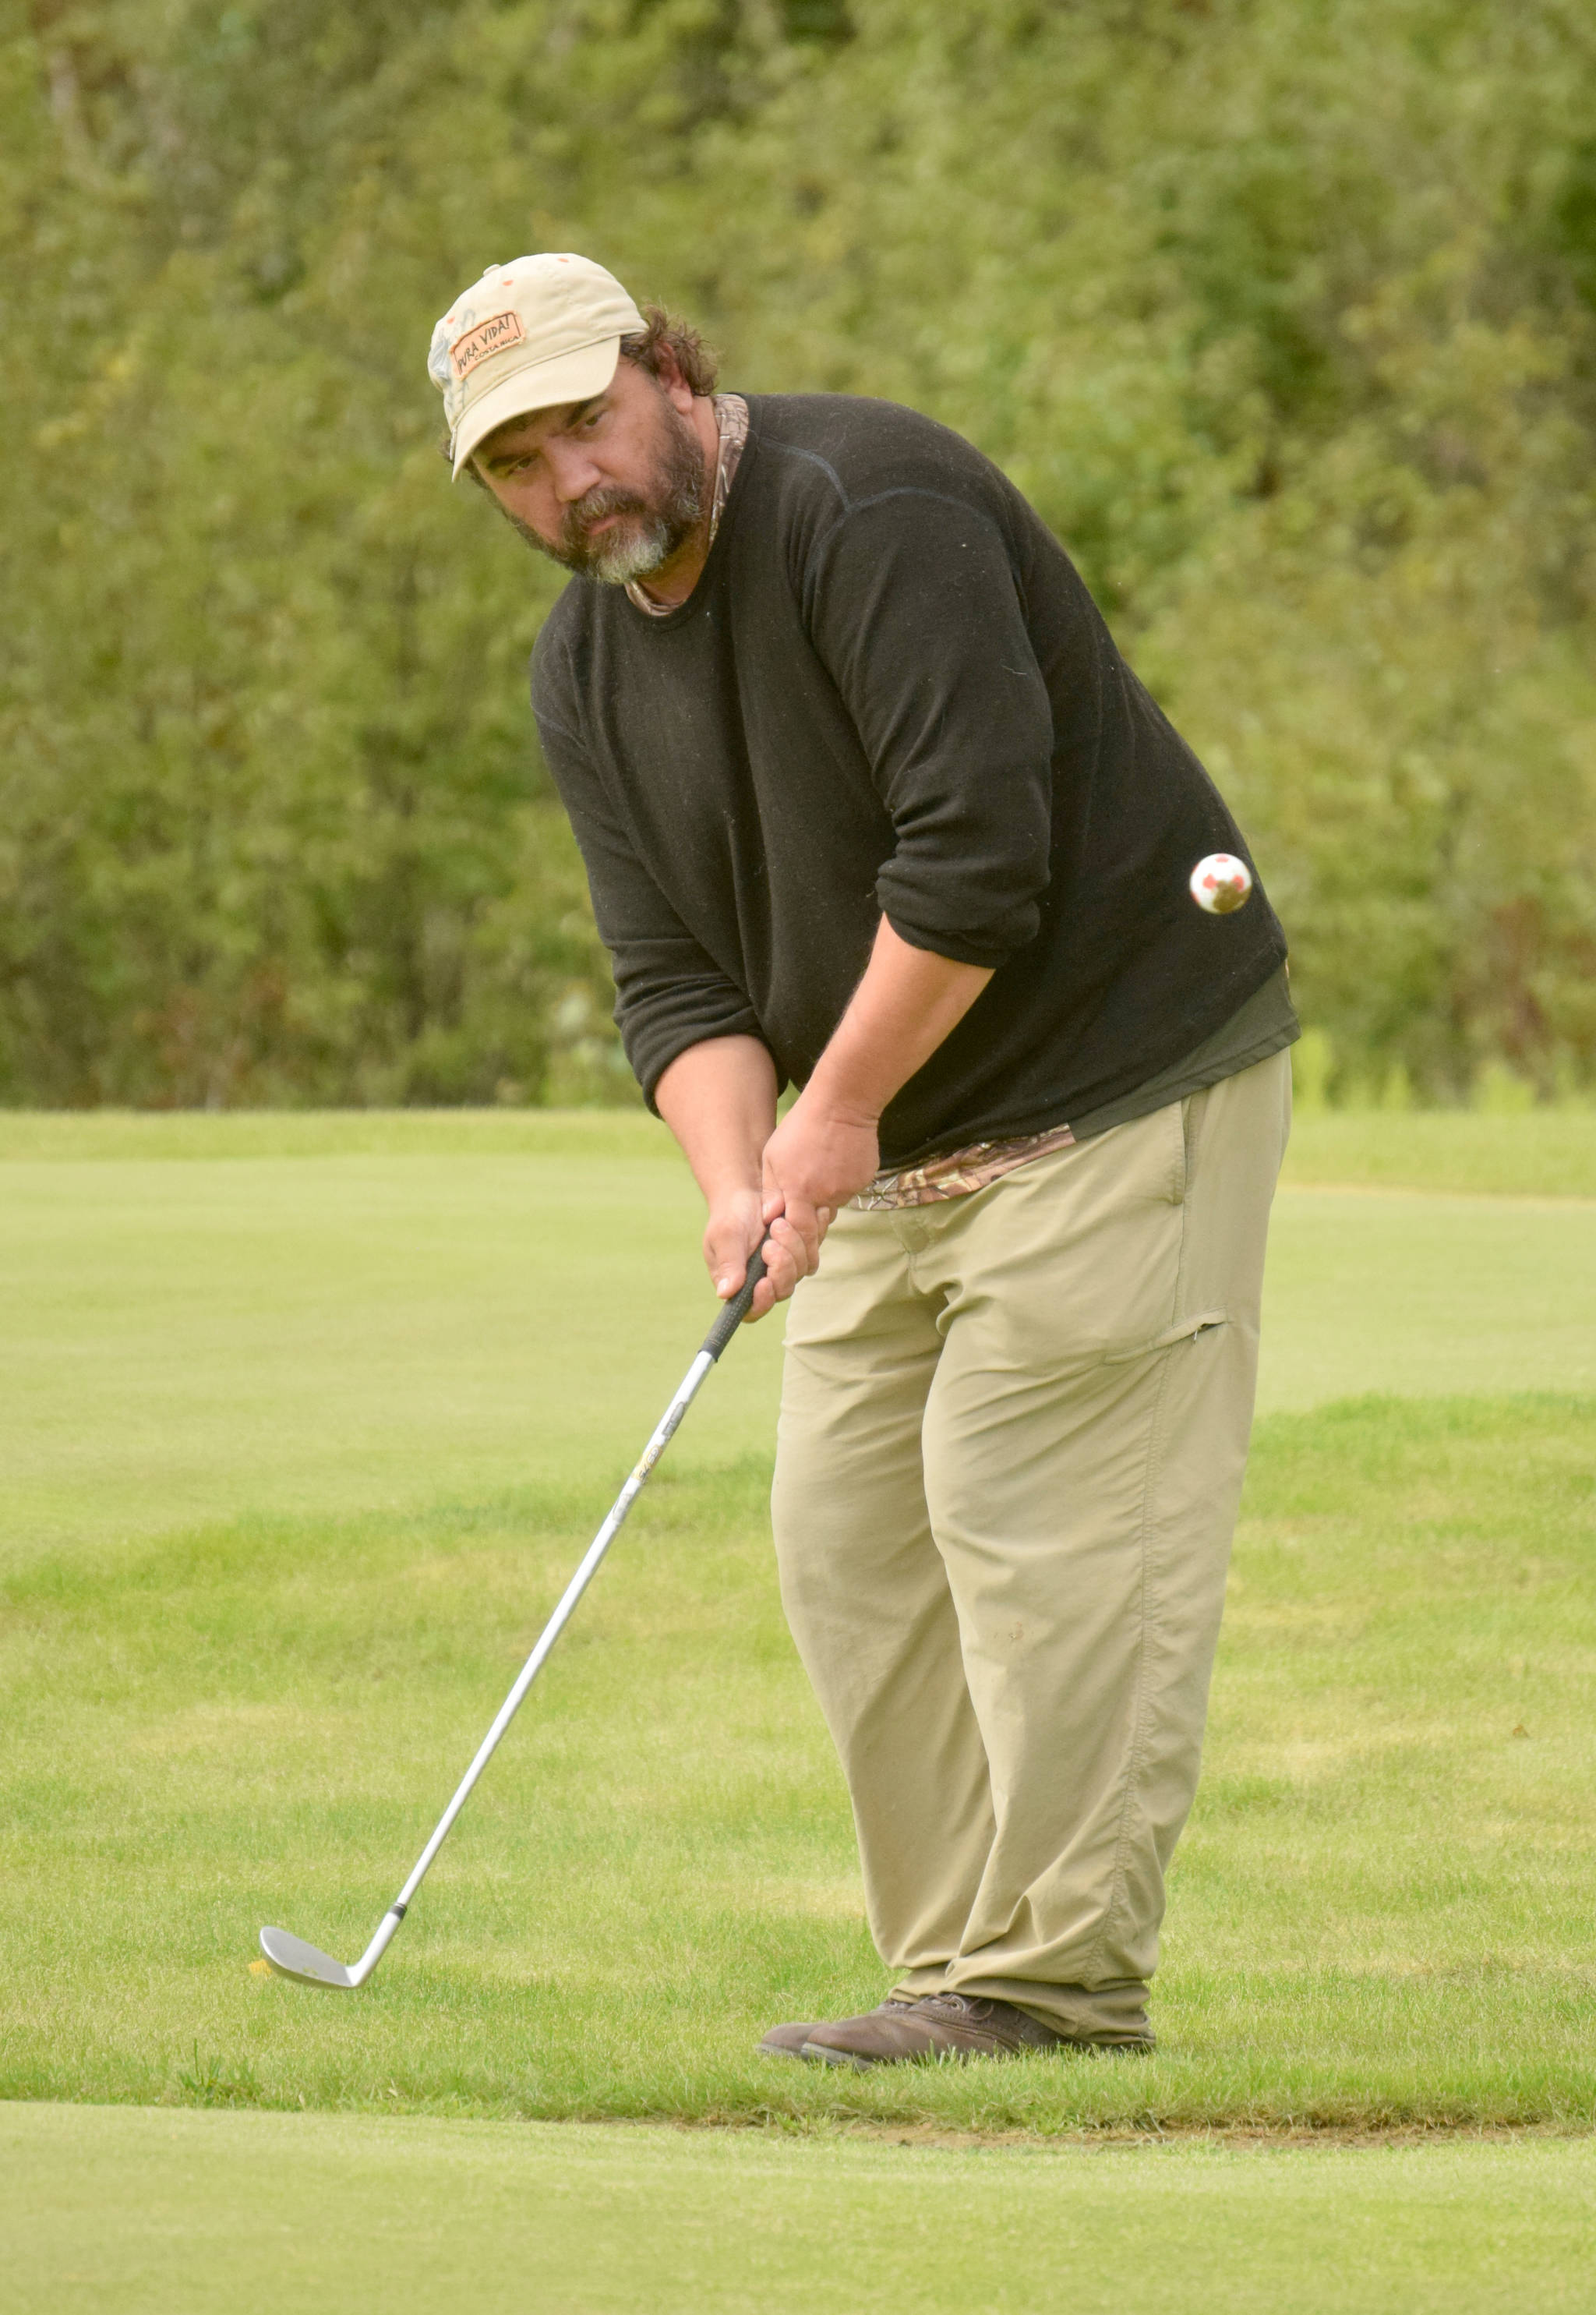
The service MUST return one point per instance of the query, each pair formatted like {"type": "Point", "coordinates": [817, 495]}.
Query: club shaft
{"type": "Point", "coordinates": [291, 1956]}
{"type": "Point", "coordinates": [663, 1431]}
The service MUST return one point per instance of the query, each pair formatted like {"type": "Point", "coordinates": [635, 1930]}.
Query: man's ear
{"type": "Point", "coordinates": [667, 377]}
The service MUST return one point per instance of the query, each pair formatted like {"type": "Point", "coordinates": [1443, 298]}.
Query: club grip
{"type": "Point", "coordinates": [736, 1310]}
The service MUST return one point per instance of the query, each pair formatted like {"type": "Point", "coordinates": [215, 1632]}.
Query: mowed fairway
{"type": "Point", "coordinates": [307, 1421]}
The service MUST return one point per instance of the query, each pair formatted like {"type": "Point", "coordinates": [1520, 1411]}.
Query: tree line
{"type": "Point", "coordinates": [1282, 311]}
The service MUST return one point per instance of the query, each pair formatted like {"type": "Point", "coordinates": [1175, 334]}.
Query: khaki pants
{"type": "Point", "coordinates": [1013, 1433]}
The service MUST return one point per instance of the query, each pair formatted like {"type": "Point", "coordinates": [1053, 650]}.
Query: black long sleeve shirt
{"type": "Point", "coordinates": [891, 692]}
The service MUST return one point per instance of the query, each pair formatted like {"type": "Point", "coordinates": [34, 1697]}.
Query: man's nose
{"type": "Point", "coordinates": [571, 471]}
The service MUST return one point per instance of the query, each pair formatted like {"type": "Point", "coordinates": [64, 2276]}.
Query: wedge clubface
{"type": "Point", "coordinates": [290, 1957]}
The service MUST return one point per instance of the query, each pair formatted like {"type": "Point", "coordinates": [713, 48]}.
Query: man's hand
{"type": "Point", "coordinates": [737, 1225]}
{"type": "Point", "coordinates": [782, 1184]}
{"type": "Point", "coordinates": [814, 1162]}
{"type": "Point", "coordinates": [827, 1150]}
{"type": "Point", "coordinates": [719, 1100]}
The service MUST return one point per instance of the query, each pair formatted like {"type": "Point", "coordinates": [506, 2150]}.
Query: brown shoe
{"type": "Point", "coordinates": [786, 2041]}
{"type": "Point", "coordinates": [790, 2041]}
{"type": "Point", "coordinates": [939, 2026]}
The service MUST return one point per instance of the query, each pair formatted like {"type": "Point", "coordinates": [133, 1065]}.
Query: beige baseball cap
{"type": "Point", "coordinates": [528, 335]}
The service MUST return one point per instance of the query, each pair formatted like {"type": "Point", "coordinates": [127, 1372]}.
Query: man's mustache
{"type": "Point", "coordinates": [606, 498]}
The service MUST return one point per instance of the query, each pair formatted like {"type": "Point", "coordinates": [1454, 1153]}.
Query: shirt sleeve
{"type": "Point", "coordinates": [913, 605]}
{"type": "Point", "coordinates": [670, 992]}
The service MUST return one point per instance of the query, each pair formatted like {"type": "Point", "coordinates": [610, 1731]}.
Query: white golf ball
{"type": "Point", "coordinates": [1220, 882]}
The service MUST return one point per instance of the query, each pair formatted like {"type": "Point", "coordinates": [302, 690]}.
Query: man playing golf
{"type": "Point", "coordinates": [871, 806]}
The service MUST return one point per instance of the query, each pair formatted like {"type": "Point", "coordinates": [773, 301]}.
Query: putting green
{"type": "Point", "coordinates": [446, 1308]}
{"type": "Point", "coordinates": [164, 2214]}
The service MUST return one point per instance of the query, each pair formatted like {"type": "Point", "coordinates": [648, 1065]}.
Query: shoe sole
{"type": "Point", "coordinates": [822, 2056]}
{"type": "Point", "coordinates": [765, 2048]}
{"type": "Point", "coordinates": [860, 2065]}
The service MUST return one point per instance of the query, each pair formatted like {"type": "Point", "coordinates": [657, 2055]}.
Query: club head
{"type": "Point", "coordinates": [306, 1965]}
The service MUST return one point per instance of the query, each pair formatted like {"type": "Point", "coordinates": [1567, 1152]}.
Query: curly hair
{"type": "Point", "coordinates": [696, 365]}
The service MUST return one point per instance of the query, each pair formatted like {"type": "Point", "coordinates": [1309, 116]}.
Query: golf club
{"type": "Point", "coordinates": [290, 1957]}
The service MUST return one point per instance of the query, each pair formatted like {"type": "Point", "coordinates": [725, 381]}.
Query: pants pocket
{"type": "Point", "coordinates": [1181, 1332]}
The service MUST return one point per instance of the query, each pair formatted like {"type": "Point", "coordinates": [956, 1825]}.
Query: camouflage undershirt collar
{"type": "Point", "coordinates": [731, 417]}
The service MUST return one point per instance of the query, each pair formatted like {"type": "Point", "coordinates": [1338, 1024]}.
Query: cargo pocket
{"type": "Point", "coordinates": [1183, 1330]}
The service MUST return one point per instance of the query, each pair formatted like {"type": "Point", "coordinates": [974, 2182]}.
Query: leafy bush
{"type": "Point", "coordinates": [1282, 311]}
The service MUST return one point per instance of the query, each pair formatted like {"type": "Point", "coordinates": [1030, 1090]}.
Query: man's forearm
{"type": "Point", "coordinates": [719, 1100]}
{"type": "Point", "coordinates": [784, 1183]}
{"type": "Point", "coordinates": [825, 1148]}
{"type": "Point", "coordinates": [907, 1003]}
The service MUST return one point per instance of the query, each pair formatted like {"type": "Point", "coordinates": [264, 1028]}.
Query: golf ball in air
{"type": "Point", "coordinates": [1220, 882]}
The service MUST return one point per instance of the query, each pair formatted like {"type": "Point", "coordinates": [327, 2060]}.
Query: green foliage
{"type": "Point", "coordinates": [1284, 315]}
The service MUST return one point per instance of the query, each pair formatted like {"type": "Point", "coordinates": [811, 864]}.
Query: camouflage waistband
{"type": "Point", "coordinates": [958, 1172]}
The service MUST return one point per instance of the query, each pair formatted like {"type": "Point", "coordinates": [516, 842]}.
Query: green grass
{"type": "Point", "coordinates": [1421, 1295]}
{"type": "Point", "coordinates": [195, 1341]}
{"type": "Point", "coordinates": [304, 1433]}
{"type": "Point", "coordinates": [1539, 1154]}
{"type": "Point", "coordinates": [1543, 1153]}
{"type": "Point", "coordinates": [1546, 1153]}
{"type": "Point", "coordinates": [1380, 1913]}
{"type": "Point", "coordinates": [73, 1136]}
{"type": "Point", "coordinates": [380, 1327]}
{"type": "Point", "coordinates": [183, 2213]}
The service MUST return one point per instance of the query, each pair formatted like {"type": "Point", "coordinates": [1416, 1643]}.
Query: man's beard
{"type": "Point", "coordinates": [653, 528]}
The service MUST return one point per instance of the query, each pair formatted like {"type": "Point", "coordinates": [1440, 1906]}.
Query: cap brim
{"type": "Point", "coordinates": [574, 376]}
